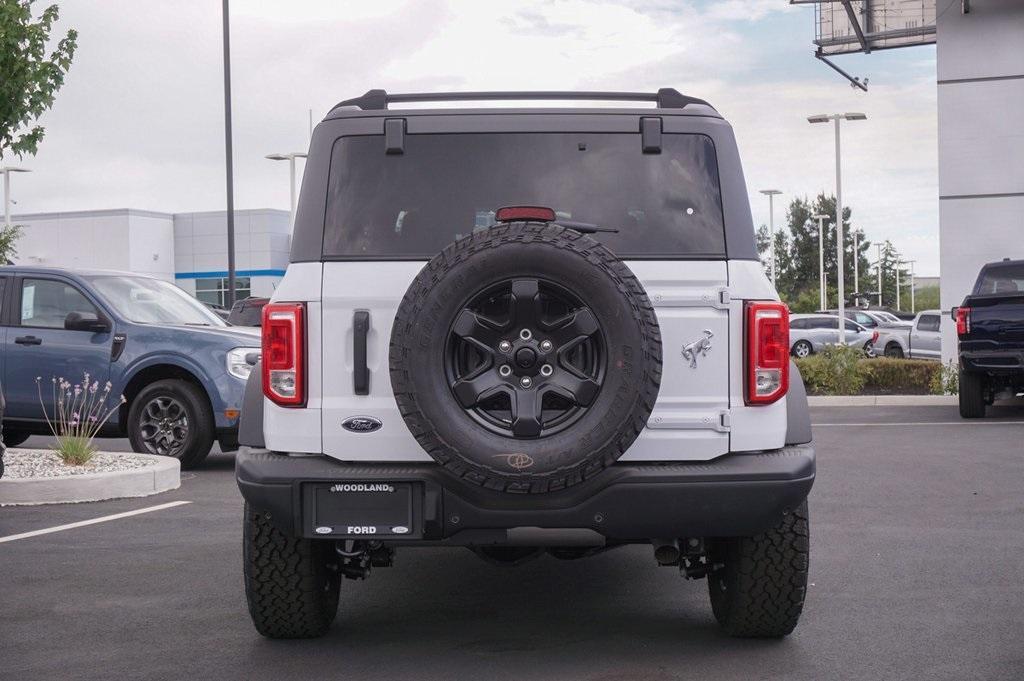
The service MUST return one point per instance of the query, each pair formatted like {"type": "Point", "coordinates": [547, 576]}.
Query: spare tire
{"type": "Point", "coordinates": [525, 357]}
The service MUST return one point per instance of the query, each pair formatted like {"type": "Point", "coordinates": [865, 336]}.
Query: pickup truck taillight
{"type": "Point", "coordinates": [284, 361]}
{"type": "Point", "coordinates": [767, 371]}
{"type": "Point", "coordinates": [963, 321]}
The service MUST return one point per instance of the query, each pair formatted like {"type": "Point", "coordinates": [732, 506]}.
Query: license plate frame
{"type": "Point", "coordinates": [361, 509]}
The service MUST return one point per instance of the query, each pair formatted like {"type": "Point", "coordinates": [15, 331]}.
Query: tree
{"type": "Point", "coordinates": [797, 252]}
{"type": "Point", "coordinates": [30, 78]}
{"type": "Point", "coordinates": [8, 235]}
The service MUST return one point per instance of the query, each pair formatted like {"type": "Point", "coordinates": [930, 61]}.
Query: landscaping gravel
{"type": "Point", "coordinates": [43, 463]}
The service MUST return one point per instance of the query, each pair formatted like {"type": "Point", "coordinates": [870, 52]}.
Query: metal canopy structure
{"type": "Point", "coordinates": [863, 26]}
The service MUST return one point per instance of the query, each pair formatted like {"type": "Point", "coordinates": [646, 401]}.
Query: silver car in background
{"type": "Point", "coordinates": [919, 340]}
{"type": "Point", "coordinates": [810, 333]}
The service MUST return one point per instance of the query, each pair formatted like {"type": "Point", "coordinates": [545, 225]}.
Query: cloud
{"type": "Point", "coordinates": [139, 122]}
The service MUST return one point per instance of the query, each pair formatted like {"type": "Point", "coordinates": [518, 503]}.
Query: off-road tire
{"type": "Point", "coordinates": [759, 590]}
{"type": "Point", "coordinates": [13, 438]}
{"type": "Point", "coordinates": [972, 395]}
{"type": "Point", "coordinates": [201, 425]}
{"type": "Point", "coordinates": [574, 261]}
{"type": "Point", "coordinates": [291, 584]}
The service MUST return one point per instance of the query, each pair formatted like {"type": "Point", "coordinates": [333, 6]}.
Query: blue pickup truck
{"type": "Point", "coordinates": [181, 369]}
{"type": "Point", "coordinates": [990, 329]}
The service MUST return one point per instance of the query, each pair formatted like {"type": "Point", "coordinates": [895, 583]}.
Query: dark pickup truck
{"type": "Point", "coordinates": [990, 327]}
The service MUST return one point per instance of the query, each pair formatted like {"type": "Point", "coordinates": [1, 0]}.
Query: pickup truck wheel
{"type": "Point", "coordinates": [291, 585]}
{"type": "Point", "coordinates": [525, 358]}
{"type": "Point", "coordinates": [13, 438]}
{"type": "Point", "coordinates": [893, 351]}
{"type": "Point", "coordinates": [972, 395]}
{"type": "Point", "coordinates": [759, 590]}
{"type": "Point", "coordinates": [172, 418]}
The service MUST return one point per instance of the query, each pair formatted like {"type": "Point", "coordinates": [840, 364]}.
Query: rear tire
{"type": "Point", "coordinates": [972, 395]}
{"type": "Point", "coordinates": [290, 584]}
{"type": "Point", "coordinates": [893, 351]}
{"type": "Point", "coordinates": [13, 438]}
{"type": "Point", "coordinates": [183, 403]}
{"type": "Point", "coordinates": [759, 592]}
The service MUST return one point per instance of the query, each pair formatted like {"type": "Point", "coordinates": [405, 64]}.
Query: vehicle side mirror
{"type": "Point", "coordinates": [86, 321]}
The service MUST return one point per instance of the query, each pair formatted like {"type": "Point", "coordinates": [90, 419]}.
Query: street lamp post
{"type": "Point", "coordinates": [856, 261]}
{"type": "Point", "coordinates": [913, 302]}
{"type": "Point", "coordinates": [771, 194]}
{"type": "Point", "coordinates": [290, 157]}
{"type": "Point", "coordinates": [229, 299]}
{"type": "Point", "coordinates": [822, 289]}
{"type": "Point", "coordinates": [879, 263]}
{"type": "Point", "coordinates": [840, 284]}
{"type": "Point", "coordinates": [898, 262]}
{"type": "Point", "coordinates": [6, 172]}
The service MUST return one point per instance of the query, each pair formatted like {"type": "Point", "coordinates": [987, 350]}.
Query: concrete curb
{"type": "Point", "coordinates": [164, 475]}
{"type": "Point", "coordinates": [880, 400]}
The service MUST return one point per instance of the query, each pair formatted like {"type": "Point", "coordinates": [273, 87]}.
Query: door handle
{"type": "Point", "coordinates": [360, 371]}
{"type": "Point", "coordinates": [28, 340]}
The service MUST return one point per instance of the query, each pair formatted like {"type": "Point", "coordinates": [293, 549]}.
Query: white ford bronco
{"type": "Point", "coordinates": [525, 331]}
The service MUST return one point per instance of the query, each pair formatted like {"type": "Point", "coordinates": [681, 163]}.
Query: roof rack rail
{"type": "Point", "coordinates": [376, 100]}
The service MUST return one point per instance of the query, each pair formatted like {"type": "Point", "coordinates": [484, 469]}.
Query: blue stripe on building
{"type": "Point", "coordinates": [224, 273]}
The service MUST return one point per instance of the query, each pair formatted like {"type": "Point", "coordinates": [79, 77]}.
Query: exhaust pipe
{"type": "Point", "coordinates": [666, 551]}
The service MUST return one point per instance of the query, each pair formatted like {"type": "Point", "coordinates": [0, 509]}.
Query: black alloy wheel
{"type": "Point", "coordinates": [526, 358]}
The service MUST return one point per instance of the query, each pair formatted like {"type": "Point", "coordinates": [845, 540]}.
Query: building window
{"type": "Point", "coordinates": [215, 290]}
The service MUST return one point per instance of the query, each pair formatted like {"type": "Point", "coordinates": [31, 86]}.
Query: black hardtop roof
{"type": "Point", "coordinates": [378, 100]}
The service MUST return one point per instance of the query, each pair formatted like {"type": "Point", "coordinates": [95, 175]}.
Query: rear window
{"type": "Point", "coordinates": [928, 322]}
{"type": "Point", "coordinates": [445, 186]}
{"type": "Point", "coordinates": [1000, 279]}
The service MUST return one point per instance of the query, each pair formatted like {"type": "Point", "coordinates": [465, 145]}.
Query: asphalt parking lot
{"type": "Point", "coordinates": [917, 572]}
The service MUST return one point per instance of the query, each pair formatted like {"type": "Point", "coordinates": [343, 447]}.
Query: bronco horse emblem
{"type": "Point", "coordinates": [698, 347]}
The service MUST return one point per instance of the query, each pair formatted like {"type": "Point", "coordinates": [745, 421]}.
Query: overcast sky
{"type": "Point", "coordinates": [139, 122]}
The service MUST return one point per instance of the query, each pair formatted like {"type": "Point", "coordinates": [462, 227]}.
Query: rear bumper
{"type": "Point", "coordinates": [993, 361]}
{"type": "Point", "coordinates": [735, 495]}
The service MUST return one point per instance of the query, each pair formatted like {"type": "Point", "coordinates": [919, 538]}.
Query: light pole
{"type": "Point", "coordinates": [771, 194]}
{"type": "Point", "coordinates": [879, 263]}
{"type": "Point", "coordinates": [6, 172]}
{"type": "Point", "coordinates": [840, 285]}
{"type": "Point", "coordinates": [822, 289]}
{"type": "Point", "coordinates": [898, 261]}
{"type": "Point", "coordinates": [856, 261]}
{"type": "Point", "coordinates": [290, 157]}
{"type": "Point", "coordinates": [229, 300]}
{"type": "Point", "coordinates": [913, 303]}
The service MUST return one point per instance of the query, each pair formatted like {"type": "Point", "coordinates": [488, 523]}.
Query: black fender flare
{"type": "Point", "coordinates": [798, 414]}
{"type": "Point", "coordinates": [250, 422]}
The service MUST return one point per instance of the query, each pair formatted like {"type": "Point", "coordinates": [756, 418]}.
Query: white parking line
{"type": "Point", "coordinates": [83, 523]}
{"type": "Point", "coordinates": [924, 423]}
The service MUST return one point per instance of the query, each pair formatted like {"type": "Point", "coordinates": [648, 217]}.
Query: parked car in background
{"type": "Point", "coordinates": [248, 312]}
{"type": "Point", "coordinates": [990, 330]}
{"type": "Point", "coordinates": [180, 367]}
{"type": "Point", "coordinates": [921, 340]}
{"type": "Point", "coordinates": [218, 310]}
{"type": "Point", "coordinates": [810, 333]}
{"type": "Point", "coordinates": [870, 319]}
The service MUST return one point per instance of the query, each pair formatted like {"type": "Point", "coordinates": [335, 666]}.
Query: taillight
{"type": "Point", "coordinates": [536, 213]}
{"type": "Point", "coordinates": [767, 351]}
{"type": "Point", "coordinates": [284, 345]}
{"type": "Point", "coordinates": [874, 336]}
{"type": "Point", "coordinates": [963, 321]}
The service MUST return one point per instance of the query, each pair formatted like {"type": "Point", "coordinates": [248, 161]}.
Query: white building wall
{"type": "Point", "coordinates": [980, 60]}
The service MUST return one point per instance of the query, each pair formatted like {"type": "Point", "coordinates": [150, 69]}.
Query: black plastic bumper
{"type": "Point", "coordinates": [993, 361]}
{"type": "Point", "coordinates": [734, 495]}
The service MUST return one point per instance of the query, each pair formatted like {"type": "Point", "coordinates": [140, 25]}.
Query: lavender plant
{"type": "Point", "coordinates": [79, 411]}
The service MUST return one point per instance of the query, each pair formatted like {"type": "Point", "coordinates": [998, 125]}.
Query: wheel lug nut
{"type": "Point", "coordinates": [526, 381]}
{"type": "Point", "coordinates": [505, 370]}
{"type": "Point", "coordinates": [546, 346]}
{"type": "Point", "coordinates": [546, 370]}
{"type": "Point", "coordinates": [526, 334]}
{"type": "Point", "coordinates": [505, 346]}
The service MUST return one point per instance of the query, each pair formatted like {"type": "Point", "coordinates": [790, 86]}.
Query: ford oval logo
{"type": "Point", "coordinates": [361, 424]}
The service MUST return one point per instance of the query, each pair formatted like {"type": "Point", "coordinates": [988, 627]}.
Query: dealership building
{"type": "Point", "coordinates": [189, 249]}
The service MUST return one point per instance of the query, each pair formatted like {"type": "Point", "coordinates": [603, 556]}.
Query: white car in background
{"type": "Point", "coordinates": [810, 333]}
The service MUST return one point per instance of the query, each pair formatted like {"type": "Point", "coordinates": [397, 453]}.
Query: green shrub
{"type": "Point", "coordinates": [947, 380]}
{"type": "Point", "coordinates": [900, 376]}
{"type": "Point", "coordinates": [836, 370]}
{"type": "Point", "coordinates": [846, 371]}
